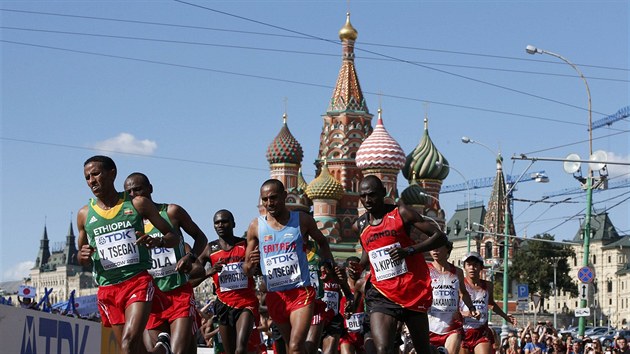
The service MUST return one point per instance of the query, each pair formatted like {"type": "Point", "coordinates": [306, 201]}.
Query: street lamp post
{"type": "Point", "coordinates": [555, 261]}
{"type": "Point", "coordinates": [468, 228]}
{"type": "Point", "coordinates": [530, 49]}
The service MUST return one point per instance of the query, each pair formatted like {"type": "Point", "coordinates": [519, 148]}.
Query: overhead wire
{"type": "Point", "coordinates": [390, 57]}
{"type": "Point", "coordinates": [151, 61]}
{"type": "Point", "coordinates": [290, 51]}
{"type": "Point", "coordinates": [306, 37]}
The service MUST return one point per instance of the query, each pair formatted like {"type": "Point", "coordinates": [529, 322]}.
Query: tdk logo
{"type": "Point", "coordinates": [56, 336]}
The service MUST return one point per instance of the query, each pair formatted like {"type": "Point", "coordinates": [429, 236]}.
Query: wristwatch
{"type": "Point", "coordinates": [410, 250]}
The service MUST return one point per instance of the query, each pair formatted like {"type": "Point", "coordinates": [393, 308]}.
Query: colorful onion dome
{"type": "Point", "coordinates": [422, 160]}
{"type": "Point", "coordinates": [347, 32]}
{"type": "Point", "coordinates": [302, 185]}
{"type": "Point", "coordinates": [380, 150]}
{"type": "Point", "coordinates": [325, 186]}
{"type": "Point", "coordinates": [285, 148]}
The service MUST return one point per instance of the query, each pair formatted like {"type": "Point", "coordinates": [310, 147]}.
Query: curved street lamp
{"type": "Point", "coordinates": [468, 229]}
{"type": "Point", "coordinates": [530, 49]}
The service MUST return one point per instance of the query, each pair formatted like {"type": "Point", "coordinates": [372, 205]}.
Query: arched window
{"type": "Point", "coordinates": [488, 250]}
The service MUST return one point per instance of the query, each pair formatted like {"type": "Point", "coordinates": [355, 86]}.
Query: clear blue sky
{"type": "Point", "coordinates": [199, 100]}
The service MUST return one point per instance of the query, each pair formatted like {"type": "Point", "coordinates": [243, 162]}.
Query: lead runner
{"type": "Point", "coordinates": [399, 287]}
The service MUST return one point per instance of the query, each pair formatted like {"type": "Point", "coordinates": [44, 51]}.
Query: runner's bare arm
{"type": "Point", "coordinates": [252, 254]}
{"type": "Point", "coordinates": [436, 238]}
{"type": "Point", "coordinates": [490, 289]}
{"type": "Point", "coordinates": [85, 250]}
{"type": "Point", "coordinates": [146, 208]}
{"type": "Point", "coordinates": [308, 226]}
{"type": "Point", "coordinates": [184, 221]}
{"type": "Point", "coordinates": [465, 296]}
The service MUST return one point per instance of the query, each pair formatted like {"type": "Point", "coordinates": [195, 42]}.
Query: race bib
{"type": "Point", "coordinates": [331, 298]}
{"type": "Point", "coordinates": [282, 270]}
{"type": "Point", "coordinates": [355, 322]}
{"type": "Point", "coordinates": [163, 262]}
{"type": "Point", "coordinates": [117, 249]}
{"type": "Point", "coordinates": [232, 277]}
{"type": "Point", "coordinates": [383, 265]}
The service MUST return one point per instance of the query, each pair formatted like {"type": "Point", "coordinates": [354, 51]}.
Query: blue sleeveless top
{"type": "Point", "coordinates": [282, 255]}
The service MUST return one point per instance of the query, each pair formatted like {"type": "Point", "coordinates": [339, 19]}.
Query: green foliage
{"type": "Point", "coordinates": [533, 265]}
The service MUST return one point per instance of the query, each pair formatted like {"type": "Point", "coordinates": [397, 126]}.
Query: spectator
{"type": "Point", "coordinates": [535, 346]}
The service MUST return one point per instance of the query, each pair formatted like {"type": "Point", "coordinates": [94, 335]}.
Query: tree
{"type": "Point", "coordinates": [533, 265]}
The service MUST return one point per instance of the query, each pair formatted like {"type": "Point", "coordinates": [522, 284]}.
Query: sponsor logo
{"type": "Point", "coordinates": [55, 336]}
{"type": "Point", "coordinates": [93, 219]}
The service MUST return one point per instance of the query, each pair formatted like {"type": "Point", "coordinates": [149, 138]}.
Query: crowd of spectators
{"type": "Point", "coordinates": [543, 338]}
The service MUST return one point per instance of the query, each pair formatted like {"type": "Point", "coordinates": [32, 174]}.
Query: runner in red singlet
{"type": "Point", "coordinates": [236, 306]}
{"type": "Point", "coordinates": [399, 287]}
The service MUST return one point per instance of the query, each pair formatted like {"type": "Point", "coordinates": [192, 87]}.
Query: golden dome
{"type": "Point", "coordinates": [325, 186]}
{"type": "Point", "coordinates": [347, 32]}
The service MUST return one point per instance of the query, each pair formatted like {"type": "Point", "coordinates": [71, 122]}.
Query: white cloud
{"type": "Point", "coordinates": [125, 142]}
{"type": "Point", "coordinates": [618, 170]}
{"type": "Point", "coordinates": [18, 271]}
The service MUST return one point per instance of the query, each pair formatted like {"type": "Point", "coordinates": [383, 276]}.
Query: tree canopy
{"type": "Point", "coordinates": [533, 265]}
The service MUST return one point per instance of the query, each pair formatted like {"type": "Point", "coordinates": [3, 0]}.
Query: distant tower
{"type": "Point", "coordinates": [421, 168]}
{"type": "Point", "coordinates": [43, 255]}
{"type": "Point", "coordinates": [285, 155]}
{"type": "Point", "coordinates": [380, 155]}
{"type": "Point", "coordinates": [70, 249]}
{"type": "Point", "coordinates": [347, 123]}
{"type": "Point", "coordinates": [494, 221]}
{"type": "Point", "coordinates": [325, 192]}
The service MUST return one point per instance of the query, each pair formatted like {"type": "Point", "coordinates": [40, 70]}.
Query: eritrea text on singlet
{"type": "Point", "coordinates": [113, 235]}
{"type": "Point", "coordinates": [283, 260]}
{"type": "Point", "coordinates": [164, 260]}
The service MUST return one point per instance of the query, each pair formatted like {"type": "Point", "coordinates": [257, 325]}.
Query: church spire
{"type": "Point", "coordinates": [43, 255]}
{"type": "Point", "coordinates": [347, 95]}
{"type": "Point", "coordinates": [494, 220]}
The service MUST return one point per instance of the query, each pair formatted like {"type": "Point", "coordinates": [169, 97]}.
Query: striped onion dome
{"type": "Point", "coordinates": [285, 148]}
{"type": "Point", "coordinates": [325, 186]}
{"type": "Point", "coordinates": [422, 160]}
{"type": "Point", "coordinates": [414, 194]}
{"type": "Point", "coordinates": [380, 150]}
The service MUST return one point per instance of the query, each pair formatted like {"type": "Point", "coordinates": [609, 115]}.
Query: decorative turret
{"type": "Point", "coordinates": [346, 124]}
{"type": "Point", "coordinates": [285, 157]}
{"type": "Point", "coordinates": [302, 185]}
{"type": "Point", "coordinates": [494, 220]}
{"type": "Point", "coordinates": [324, 186]}
{"type": "Point", "coordinates": [285, 148]}
{"type": "Point", "coordinates": [43, 255]}
{"type": "Point", "coordinates": [347, 95]}
{"type": "Point", "coordinates": [382, 156]}
{"type": "Point", "coordinates": [414, 195]}
{"type": "Point", "coordinates": [347, 32]}
{"type": "Point", "coordinates": [70, 250]}
{"type": "Point", "coordinates": [326, 192]}
{"type": "Point", "coordinates": [422, 160]}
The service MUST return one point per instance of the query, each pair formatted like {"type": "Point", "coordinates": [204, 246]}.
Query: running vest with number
{"type": "Point", "coordinates": [314, 269]}
{"type": "Point", "coordinates": [479, 297]}
{"type": "Point", "coordinates": [165, 260]}
{"type": "Point", "coordinates": [405, 282]}
{"type": "Point", "coordinates": [355, 322]}
{"type": "Point", "coordinates": [332, 296]}
{"type": "Point", "coordinates": [283, 255]}
{"type": "Point", "coordinates": [112, 233]}
{"type": "Point", "coordinates": [444, 314]}
{"type": "Point", "coordinates": [234, 287]}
